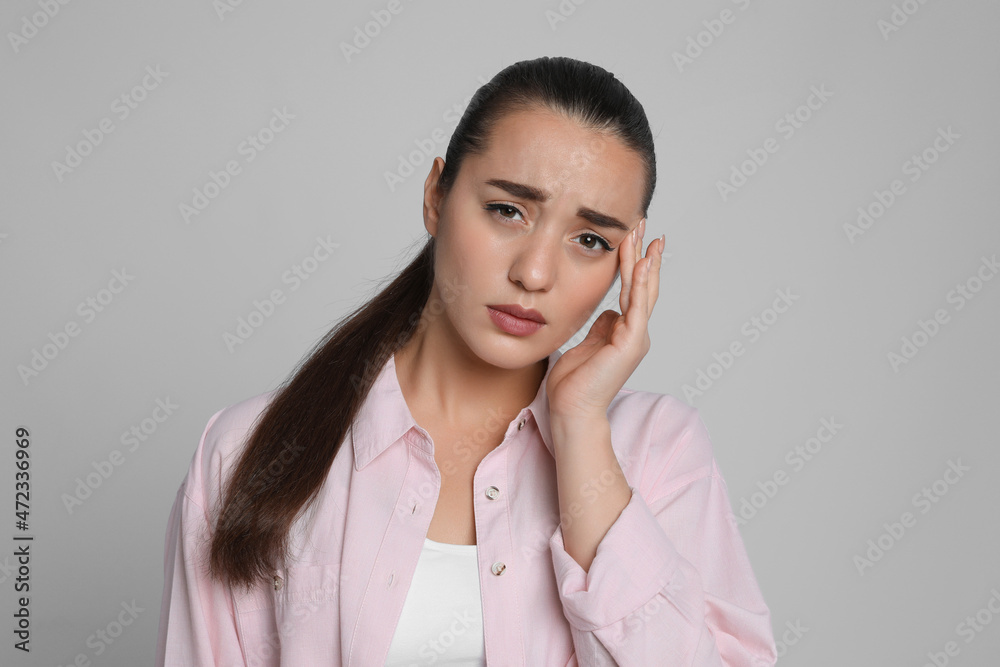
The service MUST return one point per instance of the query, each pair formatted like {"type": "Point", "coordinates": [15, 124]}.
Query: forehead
{"type": "Point", "coordinates": [553, 152]}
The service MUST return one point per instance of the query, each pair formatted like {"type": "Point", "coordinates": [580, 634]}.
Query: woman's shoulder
{"type": "Point", "coordinates": [230, 424]}
{"type": "Point", "coordinates": [222, 441]}
{"type": "Point", "coordinates": [663, 415]}
{"type": "Point", "coordinates": [661, 438]}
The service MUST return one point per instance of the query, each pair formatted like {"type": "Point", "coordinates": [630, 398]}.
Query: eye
{"type": "Point", "coordinates": [607, 246]}
{"type": "Point", "coordinates": [496, 208]}
{"type": "Point", "coordinates": [505, 212]}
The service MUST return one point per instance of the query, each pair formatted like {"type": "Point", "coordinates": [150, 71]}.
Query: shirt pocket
{"type": "Point", "coordinates": [293, 620]}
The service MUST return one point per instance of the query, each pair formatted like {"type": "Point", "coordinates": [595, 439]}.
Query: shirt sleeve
{"type": "Point", "coordinates": [671, 583]}
{"type": "Point", "coordinates": [197, 620]}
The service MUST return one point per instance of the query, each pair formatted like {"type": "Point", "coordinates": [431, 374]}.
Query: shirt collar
{"type": "Point", "coordinates": [384, 416]}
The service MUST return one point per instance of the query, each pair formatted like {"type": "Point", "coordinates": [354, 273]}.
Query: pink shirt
{"type": "Point", "coordinates": [671, 583]}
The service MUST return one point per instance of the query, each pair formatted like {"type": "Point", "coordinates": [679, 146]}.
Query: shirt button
{"type": "Point", "coordinates": [520, 424]}
{"type": "Point", "coordinates": [492, 492]}
{"type": "Point", "coordinates": [498, 568]}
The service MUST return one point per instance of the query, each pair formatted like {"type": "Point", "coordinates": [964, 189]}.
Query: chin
{"type": "Point", "coordinates": [509, 352]}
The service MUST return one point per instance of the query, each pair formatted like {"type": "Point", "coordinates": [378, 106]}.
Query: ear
{"type": "Point", "coordinates": [433, 197]}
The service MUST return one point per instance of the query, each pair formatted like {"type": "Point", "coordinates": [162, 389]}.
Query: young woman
{"type": "Point", "coordinates": [437, 483]}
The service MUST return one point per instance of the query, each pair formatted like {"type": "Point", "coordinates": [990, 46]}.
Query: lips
{"type": "Point", "coordinates": [518, 311]}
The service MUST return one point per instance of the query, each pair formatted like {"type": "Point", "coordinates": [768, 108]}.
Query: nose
{"type": "Point", "coordinates": [535, 262]}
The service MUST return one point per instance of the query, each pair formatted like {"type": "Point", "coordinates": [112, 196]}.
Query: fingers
{"type": "Point", "coordinates": [646, 285]}
{"type": "Point", "coordinates": [651, 282]}
{"type": "Point", "coordinates": [628, 256]}
{"type": "Point", "coordinates": [641, 234]}
{"type": "Point", "coordinates": [640, 280]}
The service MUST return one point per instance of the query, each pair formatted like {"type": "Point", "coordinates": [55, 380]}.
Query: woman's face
{"type": "Point", "coordinates": [530, 223]}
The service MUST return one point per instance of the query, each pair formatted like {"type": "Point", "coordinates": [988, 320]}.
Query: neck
{"type": "Point", "coordinates": [453, 383]}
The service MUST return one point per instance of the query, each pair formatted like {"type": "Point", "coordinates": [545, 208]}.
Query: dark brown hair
{"type": "Point", "coordinates": [290, 450]}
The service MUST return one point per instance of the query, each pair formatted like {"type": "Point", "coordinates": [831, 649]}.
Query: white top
{"type": "Point", "coordinates": [442, 618]}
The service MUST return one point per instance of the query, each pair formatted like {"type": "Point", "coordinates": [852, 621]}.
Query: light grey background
{"type": "Point", "coordinates": [827, 356]}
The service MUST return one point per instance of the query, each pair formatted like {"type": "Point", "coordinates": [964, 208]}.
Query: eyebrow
{"type": "Point", "coordinates": [531, 193]}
